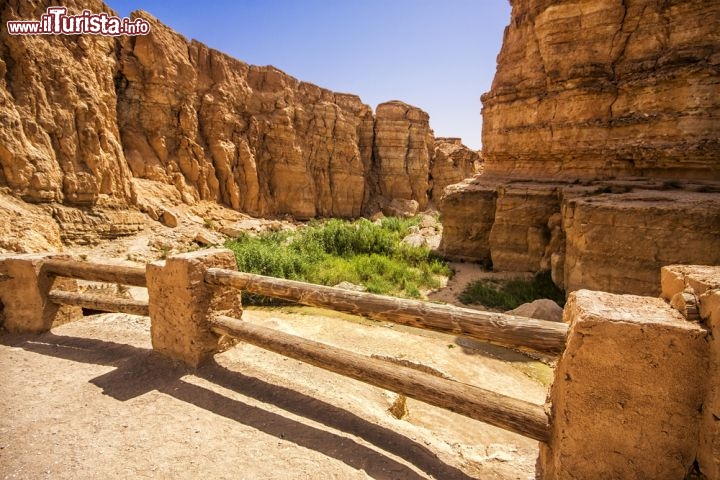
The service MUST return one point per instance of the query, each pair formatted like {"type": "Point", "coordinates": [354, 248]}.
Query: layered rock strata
{"type": "Point", "coordinates": [606, 88]}
{"type": "Point", "coordinates": [84, 115]}
{"type": "Point", "coordinates": [600, 145]}
{"type": "Point", "coordinates": [603, 235]}
{"type": "Point", "coordinates": [253, 138]}
{"type": "Point", "coordinates": [403, 149]}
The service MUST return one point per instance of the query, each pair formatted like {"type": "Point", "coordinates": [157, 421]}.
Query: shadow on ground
{"type": "Point", "coordinates": [139, 370]}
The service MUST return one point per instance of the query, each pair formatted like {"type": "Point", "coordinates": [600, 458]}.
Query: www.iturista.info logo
{"type": "Point", "coordinates": [56, 21]}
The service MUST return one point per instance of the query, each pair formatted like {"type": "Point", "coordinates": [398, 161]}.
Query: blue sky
{"type": "Point", "coordinates": [437, 55]}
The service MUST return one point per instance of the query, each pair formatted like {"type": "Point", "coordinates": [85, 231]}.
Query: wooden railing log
{"type": "Point", "coordinates": [98, 272]}
{"type": "Point", "coordinates": [501, 329]}
{"type": "Point", "coordinates": [505, 412]}
{"type": "Point", "coordinates": [100, 303]}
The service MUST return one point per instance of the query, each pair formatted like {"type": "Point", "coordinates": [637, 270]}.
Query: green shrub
{"type": "Point", "coordinates": [267, 255]}
{"type": "Point", "coordinates": [334, 251]}
{"type": "Point", "coordinates": [510, 294]}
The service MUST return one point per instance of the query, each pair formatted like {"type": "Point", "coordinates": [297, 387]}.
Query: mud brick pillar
{"type": "Point", "coordinates": [695, 290]}
{"type": "Point", "coordinates": [24, 288]}
{"type": "Point", "coordinates": [628, 391]}
{"type": "Point", "coordinates": [180, 303]}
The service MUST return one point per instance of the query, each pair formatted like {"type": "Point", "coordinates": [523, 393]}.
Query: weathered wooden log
{"type": "Point", "coordinates": [97, 272]}
{"type": "Point", "coordinates": [100, 303]}
{"type": "Point", "coordinates": [505, 412]}
{"type": "Point", "coordinates": [498, 328]}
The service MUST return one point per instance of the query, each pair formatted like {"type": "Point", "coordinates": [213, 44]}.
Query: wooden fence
{"type": "Point", "coordinates": [98, 272]}
{"type": "Point", "coordinates": [609, 407]}
{"type": "Point", "coordinates": [512, 331]}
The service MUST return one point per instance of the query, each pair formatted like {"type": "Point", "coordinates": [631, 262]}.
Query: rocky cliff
{"type": "Point", "coordinates": [82, 116]}
{"type": "Point", "coordinates": [59, 137]}
{"type": "Point", "coordinates": [600, 143]}
{"type": "Point", "coordinates": [253, 138]}
{"type": "Point", "coordinates": [606, 88]}
{"type": "Point", "coordinates": [611, 235]}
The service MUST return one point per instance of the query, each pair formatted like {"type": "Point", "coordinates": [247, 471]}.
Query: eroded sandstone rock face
{"type": "Point", "coordinates": [59, 139]}
{"type": "Point", "coordinates": [619, 242]}
{"type": "Point", "coordinates": [26, 228]}
{"type": "Point", "coordinates": [605, 235]}
{"type": "Point", "coordinates": [605, 88]}
{"type": "Point", "coordinates": [403, 149]}
{"type": "Point", "coordinates": [600, 145]}
{"type": "Point", "coordinates": [253, 138]}
{"type": "Point", "coordinates": [467, 211]}
{"type": "Point", "coordinates": [452, 162]}
{"type": "Point", "coordinates": [85, 115]}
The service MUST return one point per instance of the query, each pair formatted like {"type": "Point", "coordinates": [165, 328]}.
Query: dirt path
{"type": "Point", "coordinates": [91, 400]}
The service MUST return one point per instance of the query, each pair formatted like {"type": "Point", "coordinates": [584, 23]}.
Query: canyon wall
{"type": "Point", "coordinates": [600, 143]}
{"type": "Point", "coordinates": [84, 115]}
{"type": "Point", "coordinates": [59, 137]}
{"type": "Point", "coordinates": [253, 138]}
{"type": "Point", "coordinates": [606, 88]}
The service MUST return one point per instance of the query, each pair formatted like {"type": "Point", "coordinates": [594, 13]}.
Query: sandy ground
{"type": "Point", "coordinates": [464, 273]}
{"type": "Point", "coordinates": [90, 399]}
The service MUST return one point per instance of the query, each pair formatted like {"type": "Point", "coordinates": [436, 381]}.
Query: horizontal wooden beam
{"type": "Point", "coordinates": [505, 412]}
{"type": "Point", "coordinates": [498, 328]}
{"type": "Point", "coordinates": [100, 303]}
{"type": "Point", "coordinates": [97, 272]}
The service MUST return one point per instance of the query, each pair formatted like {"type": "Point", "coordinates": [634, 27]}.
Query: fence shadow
{"type": "Point", "coordinates": [139, 370]}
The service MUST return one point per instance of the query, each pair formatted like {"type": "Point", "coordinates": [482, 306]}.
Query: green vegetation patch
{"type": "Point", "coordinates": [509, 294]}
{"type": "Point", "coordinates": [334, 251]}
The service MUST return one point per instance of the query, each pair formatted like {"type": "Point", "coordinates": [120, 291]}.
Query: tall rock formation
{"type": "Point", "coordinates": [59, 138]}
{"type": "Point", "coordinates": [600, 143]}
{"type": "Point", "coordinates": [253, 138]}
{"type": "Point", "coordinates": [403, 149]}
{"type": "Point", "coordinates": [83, 115]}
{"type": "Point", "coordinates": [589, 89]}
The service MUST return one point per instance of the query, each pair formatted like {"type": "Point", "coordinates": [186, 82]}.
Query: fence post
{"type": "Point", "coordinates": [628, 391]}
{"type": "Point", "coordinates": [180, 303]}
{"type": "Point", "coordinates": [24, 292]}
{"type": "Point", "coordinates": [702, 283]}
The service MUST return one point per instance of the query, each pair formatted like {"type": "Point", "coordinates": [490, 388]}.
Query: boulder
{"type": "Point", "coordinates": [399, 207]}
{"type": "Point", "coordinates": [208, 238]}
{"type": "Point", "coordinates": [542, 309]}
{"type": "Point", "coordinates": [169, 218]}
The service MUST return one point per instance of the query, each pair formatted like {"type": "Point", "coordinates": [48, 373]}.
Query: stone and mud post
{"type": "Point", "coordinates": [694, 290]}
{"type": "Point", "coordinates": [24, 289]}
{"type": "Point", "coordinates": [180, 304]}
{"type": "Point", "coordinates": [628, 391]}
